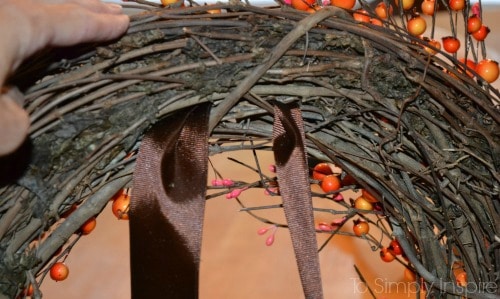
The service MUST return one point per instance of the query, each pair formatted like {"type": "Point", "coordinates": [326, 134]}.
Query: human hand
{"type": "Point", "coordinates": [28, 26]}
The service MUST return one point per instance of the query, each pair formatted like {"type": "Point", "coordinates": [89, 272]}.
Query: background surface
{"type": "Point", "coordinates": [235, 261]}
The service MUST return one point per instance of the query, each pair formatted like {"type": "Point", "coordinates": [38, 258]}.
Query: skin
{"type": "Point", "coordinates": [28, 26]}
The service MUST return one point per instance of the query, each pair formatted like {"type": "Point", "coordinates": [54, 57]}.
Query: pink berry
{"type": "Point", "coordinates": [324, 227]}
{"type": "Point", "coordinates": [263, 230]}
{"type": "Point", "coordinates": [338, 221]}
{"type": "Point", "coordinates": [270, 240]}
{"type": "Point", "coordinates": [227, 182]}
{"type": "Point", "coordinates": [339, 197]}
{"type": "Point", "coordinates": [216, 183]}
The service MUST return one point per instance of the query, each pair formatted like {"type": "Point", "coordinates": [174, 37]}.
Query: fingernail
{"type": "Point", "coordinates": [115, 7]}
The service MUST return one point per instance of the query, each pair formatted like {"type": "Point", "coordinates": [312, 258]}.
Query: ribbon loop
{"type": "Point", "coordinates": [167, 207]}
{"type": "Point", "coordinates": [293, 178]}
{"type": "Point", "coordinates": [168, 201]}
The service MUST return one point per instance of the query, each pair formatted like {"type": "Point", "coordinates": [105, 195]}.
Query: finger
{"type": "Point", "coordinates": [93, 5]}
{"type": "Point", "coordinates": [14, 125]}
{"type": "Point", "coordinates": [73, 26]}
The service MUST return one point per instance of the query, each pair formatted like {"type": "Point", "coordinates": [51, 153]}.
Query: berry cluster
{"type": "Point", "coordinates": [414, 19]}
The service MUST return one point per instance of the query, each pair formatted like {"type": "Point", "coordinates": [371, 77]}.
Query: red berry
{"type": "Point", "coordinates": [488, 70]}
{"type": "Point", "coordinates": [451, 44]}
{"type": "Point", "coordinates": [69, 211]}
{"type": "Point", "coordinates": [321, 170]}
{"type": "Point", "coordinates": [474, 24]}
{"type": "Point", "coordinates": [330, 183]}
{"type": "Point", "coordinates": [368, 196]}
{"type": "Point", "coordinates": [59, 271]}
{"type": "Point", "coordinates": [481, 34]}
{"type": "Point", "coordinates": [395, 248]}
{"type": "Point", "coordinates": [348, 180]}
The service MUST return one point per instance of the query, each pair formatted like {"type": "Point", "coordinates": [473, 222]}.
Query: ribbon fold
{"type": "Point", "coordinates": [293, 179]}
{"type": "Point", "coordinates": [167, 206]}
{"type": "Point", "coordinates": [168, 202]}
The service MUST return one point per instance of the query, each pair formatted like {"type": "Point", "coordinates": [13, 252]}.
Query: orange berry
{"type": "Point", "coordinates": [302, 4]}
{"type": "Point", "coordinates": [377, 22]}
{"type": "Point", "coordinates": [173, 3]}
{"type": "Point", "coordinates": [120, 206]}
{"type": "Point", "coordinates": [407, 4]}
{"type": "Point", "coordinates": [362, 204]}
{"type": "Point", "coordinates": [313, 9]}
{"type": "Point", "coordinates": [474, 24]}
{"type": "Point", "coordinates": [451, 44]}
{"type": "Point", "coordinates": [382, 12]}
{"type": "Point", "coordinates": [470, 64]}
{"type": "Point", "coordinates": [361, 15]}
{"type": "Point", "coordinates": [488, 70]}
{"type": "Point", "coordinates": [457, 5]}
{"type": "Point", "coordinates": [360, 228]}
{"type": "Point", "coordinates": [59, 271]}
{"type": "Point", "coordinates": [434, 43]}
{"type": "Point", "coordinates": [386, 255]}
{"type": "Point", "coordinates": [330, 183]}
{"type": "Point", "coordinates": [27, 292]}
{"type": "Point", "coordinates": [416, 25]}
{"type": "Point", "coordinates": [88, 226]}
{"type": "Point", "coordinates": [214, 11]}
{"type": "Point", "coordinates": [347, 4]}
{"type": "Point", "coordinates": [409, 275]}
{"type": "Point", "coordinates": [459, 273]}
{"type": "Point", "coordinates": [428, 7]}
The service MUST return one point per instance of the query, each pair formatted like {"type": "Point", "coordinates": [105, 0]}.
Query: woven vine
{"type": "Point", "coordinates": [413, 129]}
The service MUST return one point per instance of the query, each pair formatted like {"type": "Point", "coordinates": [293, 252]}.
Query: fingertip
{"type": "Point", "coordinates": [14, 125]}
{"type": "Point", "coordinates": [114, 8]}
{"type": "Point", "coordinates": [121, 25]}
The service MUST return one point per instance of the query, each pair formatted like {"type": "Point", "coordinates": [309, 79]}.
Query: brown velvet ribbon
{"type": "Point", "coordinates": [168, 200]}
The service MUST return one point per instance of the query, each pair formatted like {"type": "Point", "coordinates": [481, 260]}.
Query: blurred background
{"type": "Point", "coordinates": [236, 263]}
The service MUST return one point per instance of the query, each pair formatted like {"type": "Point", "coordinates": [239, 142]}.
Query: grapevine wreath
{"type": "Point", "coordinates": [369, 98]}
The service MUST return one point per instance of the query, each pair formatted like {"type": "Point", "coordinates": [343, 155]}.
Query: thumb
{"type": "Point", "coordinates": [14, 124]}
